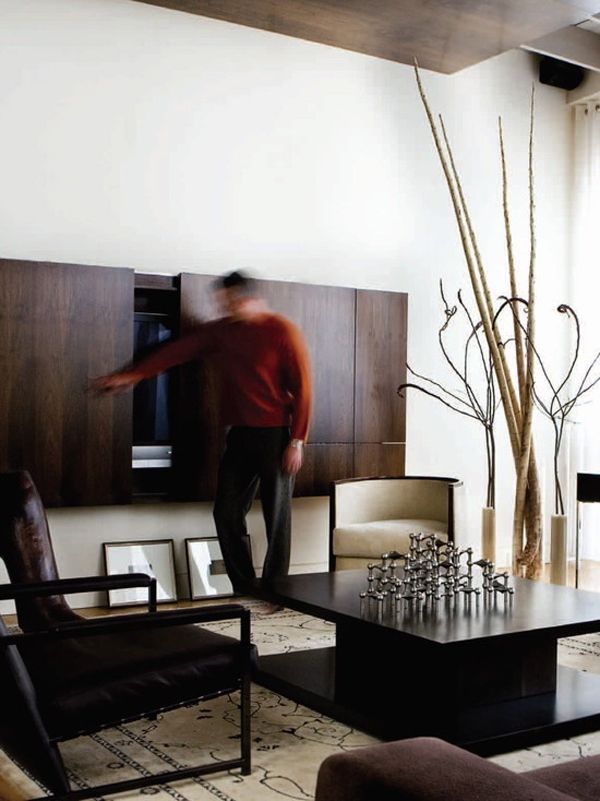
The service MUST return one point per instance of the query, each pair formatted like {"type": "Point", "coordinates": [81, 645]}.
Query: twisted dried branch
{"type": "Point", "coordinates": [472, 407]}
{"type": "Point", "coordinates": [558, 408]}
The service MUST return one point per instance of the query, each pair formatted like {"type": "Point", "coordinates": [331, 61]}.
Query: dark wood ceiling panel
{"type": "Point", "coordinates": [444, 35]}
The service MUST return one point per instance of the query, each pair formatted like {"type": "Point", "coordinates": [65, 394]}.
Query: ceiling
{"type": "Point", "coordinates": [443, 35]}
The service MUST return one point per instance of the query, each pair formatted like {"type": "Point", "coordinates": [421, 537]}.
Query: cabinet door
{"type": "Point", "coordinates": [197, 428]}
{"type": "Point", "coordinates": [380, 366]}
{"type": "Point", "coordinates": [380, 414]}
{"type": "Point", "coordinates": [325, 316]}
{"type": "Point", "coordinates": [60, 325]}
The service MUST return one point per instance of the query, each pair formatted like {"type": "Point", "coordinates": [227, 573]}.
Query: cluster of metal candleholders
{"type": "Point", "coordinates": [432, 570]}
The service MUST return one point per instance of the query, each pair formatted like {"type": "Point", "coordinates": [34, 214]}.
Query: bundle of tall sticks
{"type": "Point", "coordinates": [517, 397]}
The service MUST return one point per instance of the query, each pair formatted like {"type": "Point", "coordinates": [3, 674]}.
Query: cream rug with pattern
{"type": "Point", "coordinates": [289, 741]}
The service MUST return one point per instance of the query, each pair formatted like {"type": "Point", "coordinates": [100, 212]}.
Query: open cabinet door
{"type": "Point", "coordinates": [198, 437]}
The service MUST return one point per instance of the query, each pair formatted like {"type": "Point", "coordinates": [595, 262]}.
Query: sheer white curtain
{"type": "Point", "coordinates": [584, 437]}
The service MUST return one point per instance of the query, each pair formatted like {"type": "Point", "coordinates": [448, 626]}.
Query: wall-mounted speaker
{"type": "Point", "coordinates": [560, 73]}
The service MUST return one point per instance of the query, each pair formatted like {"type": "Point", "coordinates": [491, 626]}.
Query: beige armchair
{"type": "Point", "coordinates": [370, 516]}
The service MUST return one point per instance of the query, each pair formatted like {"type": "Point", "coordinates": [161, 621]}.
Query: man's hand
{"type": "Point", "coordinates": [113, 383]}
{"type": "Point", "coordinates": [293, 457]}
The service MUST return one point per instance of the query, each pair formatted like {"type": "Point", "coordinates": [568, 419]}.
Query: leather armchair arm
{"type": "Point", "coordinates": [117, 581]}
{"type": "Point", "coordinates": [424, 769]}
{"type": "Point", "coordinates": [146, 620]}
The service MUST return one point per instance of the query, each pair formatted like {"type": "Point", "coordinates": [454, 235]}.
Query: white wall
{"type": "Point", "coordinates": [138, 136]}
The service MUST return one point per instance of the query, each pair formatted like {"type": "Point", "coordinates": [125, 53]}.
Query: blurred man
{"type": "Point", "coordinates": [266, 403]}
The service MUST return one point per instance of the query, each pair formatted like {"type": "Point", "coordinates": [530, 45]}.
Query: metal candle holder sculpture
{"type": "Point", "coordinates": [431, 570]}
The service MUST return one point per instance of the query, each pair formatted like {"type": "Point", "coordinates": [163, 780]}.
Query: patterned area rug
{"type": "Point", "coordinates": [289, 741]}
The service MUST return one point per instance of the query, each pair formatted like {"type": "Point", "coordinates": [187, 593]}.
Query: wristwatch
{"type": "Point", "coordinates": [296, 443]}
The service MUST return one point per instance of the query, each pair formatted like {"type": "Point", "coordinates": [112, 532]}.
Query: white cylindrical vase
{"type": "Point", "coordinates": [558, 549]}
{"type": "Point", "coordinates": [488, 533]}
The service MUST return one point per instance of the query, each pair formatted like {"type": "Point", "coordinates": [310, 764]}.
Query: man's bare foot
{"type": "Point", "coordinates": [270, 609]}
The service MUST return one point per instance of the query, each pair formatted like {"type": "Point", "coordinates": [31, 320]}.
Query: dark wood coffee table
{"type": "Point", "coordinates": [480, 674]}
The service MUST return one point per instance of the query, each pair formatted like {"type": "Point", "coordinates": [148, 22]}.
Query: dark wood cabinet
{"type": "Point", "coordinates": [60, 325]}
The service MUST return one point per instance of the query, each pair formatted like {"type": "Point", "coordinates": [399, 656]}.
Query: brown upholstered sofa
{"type": "Point", "coordinates": [427, 769]}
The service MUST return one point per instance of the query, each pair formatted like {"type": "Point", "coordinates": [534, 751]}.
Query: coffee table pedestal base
{"type": "Point", "coordinates": [424, 677]}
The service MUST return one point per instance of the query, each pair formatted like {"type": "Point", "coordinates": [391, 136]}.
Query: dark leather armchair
{"type": "Point", "coordinates": [63, 675]}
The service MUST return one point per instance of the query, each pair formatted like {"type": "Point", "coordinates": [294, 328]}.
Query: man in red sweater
{"type": "Point", "coordinates": [267, 397]}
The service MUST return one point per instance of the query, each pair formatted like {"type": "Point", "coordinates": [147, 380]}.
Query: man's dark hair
{"type": "Point", "coordinates": [237, 280]}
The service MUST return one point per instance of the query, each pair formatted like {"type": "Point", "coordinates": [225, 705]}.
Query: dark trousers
{"type": "Point", "coordinates": [252, 457]}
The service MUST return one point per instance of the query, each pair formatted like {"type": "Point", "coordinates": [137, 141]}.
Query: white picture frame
{"type": "Point", "coordinates": [206, 569]}
{"type": "Point", "coordinates": [153, 557]}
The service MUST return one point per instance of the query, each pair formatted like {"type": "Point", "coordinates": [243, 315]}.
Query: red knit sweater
{"type": "Point", "coordinates": [264, 365]}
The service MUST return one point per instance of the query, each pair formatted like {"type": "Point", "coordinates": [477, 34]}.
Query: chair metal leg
{"type": "Point", "coordinates": [246, 737]}
{"type": "Point", "coordinates": [245, 732]}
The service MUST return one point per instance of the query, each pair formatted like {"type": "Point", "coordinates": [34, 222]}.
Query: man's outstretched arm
{"type": "Point", "coordinates": [178, 351]}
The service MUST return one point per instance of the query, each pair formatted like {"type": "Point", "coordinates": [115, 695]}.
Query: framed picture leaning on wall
{"type": "Point", "coordinates": [206, 569]}
{"type": "Point", "coordinates": [153, 557]}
